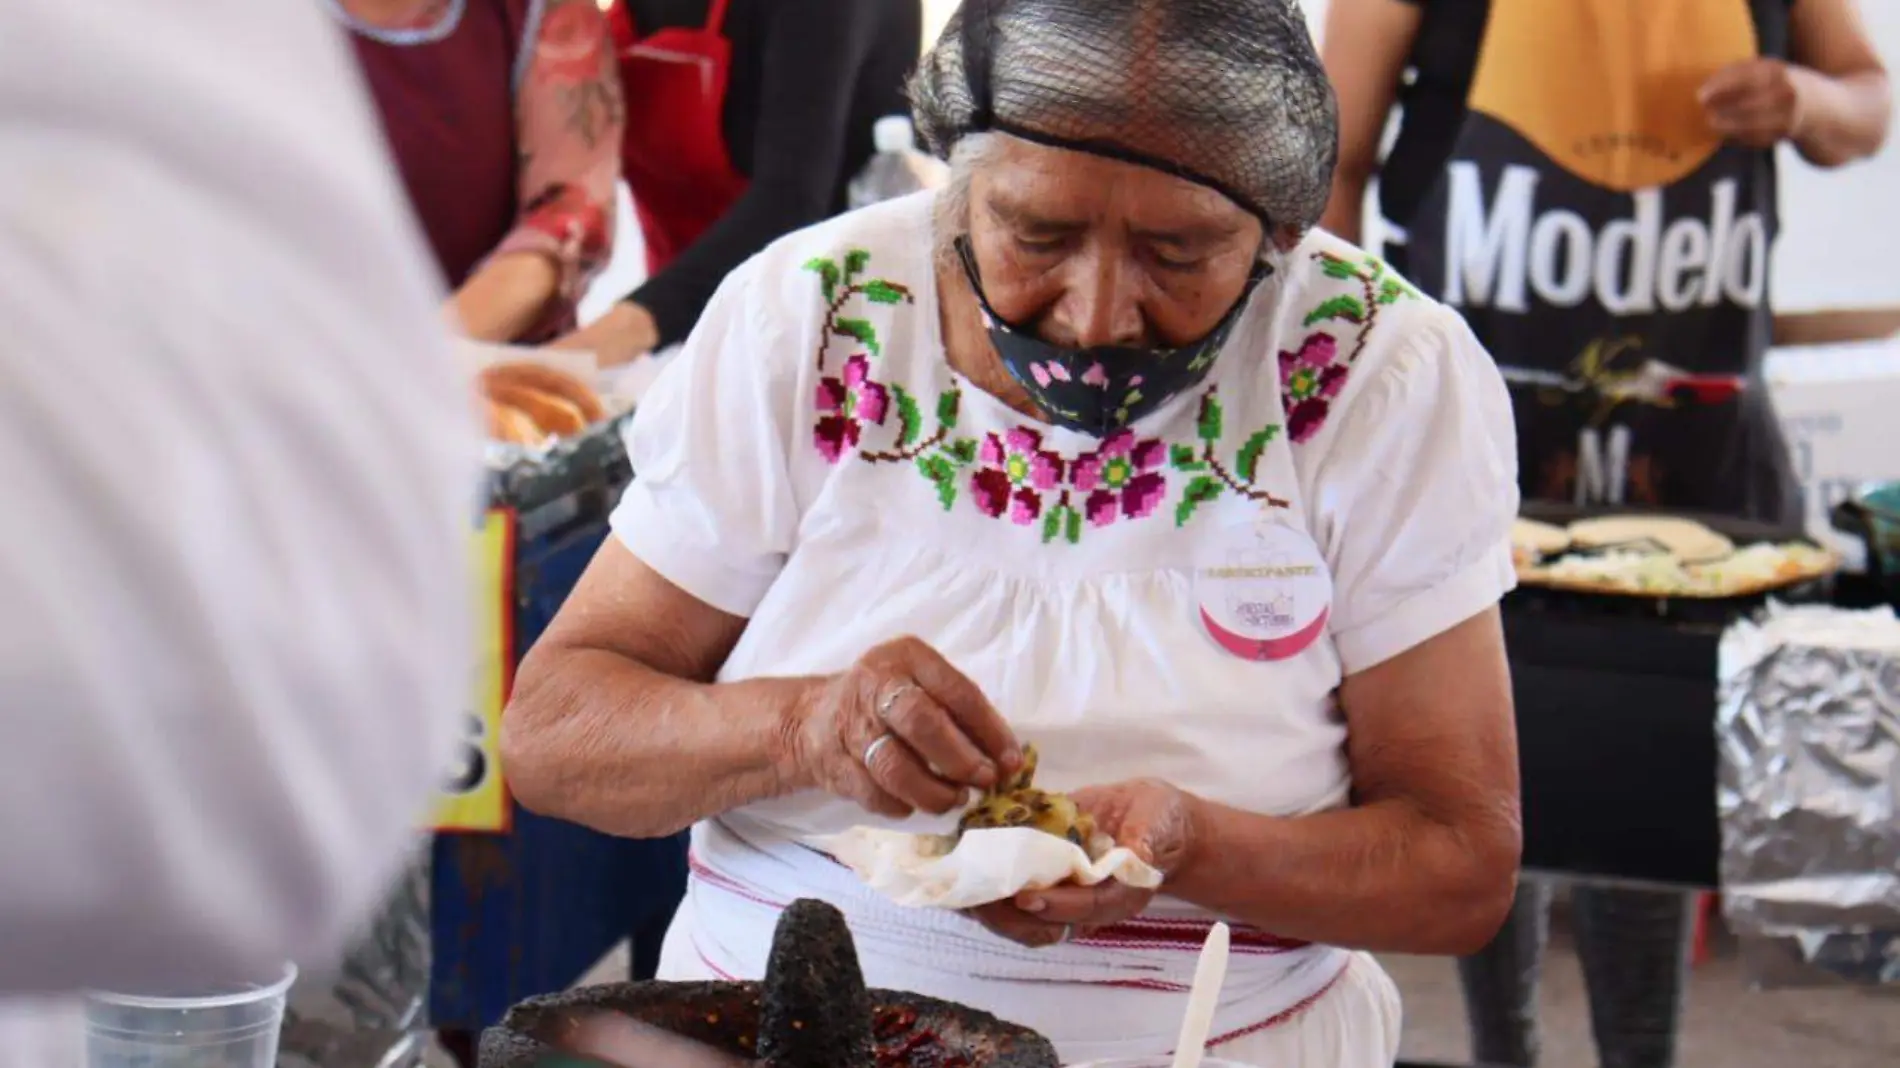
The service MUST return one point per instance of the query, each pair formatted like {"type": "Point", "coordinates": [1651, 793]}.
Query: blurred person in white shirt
{"type": "Point", "coordinates": [237, 474]}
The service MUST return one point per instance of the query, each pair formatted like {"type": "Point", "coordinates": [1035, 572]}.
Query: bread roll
{"type": "Point", "coordinates": [510, 424]}
{"type": "Point", "coordinates": [554, 415]}
{"type": "Point", "coordinates": [521, 374]}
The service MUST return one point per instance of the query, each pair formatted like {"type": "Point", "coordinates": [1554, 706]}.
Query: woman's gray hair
{"type": "Point", "coordinates": [1229, 93]}
{"type": "Point", "coordinates": [951, 214]}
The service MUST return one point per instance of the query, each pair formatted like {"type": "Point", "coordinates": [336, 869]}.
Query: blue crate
{"type": "Point", "coordinates": [529, 912]}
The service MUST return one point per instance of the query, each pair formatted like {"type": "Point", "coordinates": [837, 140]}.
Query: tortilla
{"type": "Point", "coordinates": [1685, 539]}
{"type": "Point", "coordinates": [1531, 540]}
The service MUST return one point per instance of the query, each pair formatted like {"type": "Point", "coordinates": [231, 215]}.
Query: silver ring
{"type": "Point", "coordinates": [870, 751]}
{"type": "Point", "coordinates": [889, 700]}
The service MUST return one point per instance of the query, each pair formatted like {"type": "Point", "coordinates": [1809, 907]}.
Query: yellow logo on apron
{"type": "Point", "coordinates": [1607, 88]}
{"type": "Point", "coordinates": [475, 798]}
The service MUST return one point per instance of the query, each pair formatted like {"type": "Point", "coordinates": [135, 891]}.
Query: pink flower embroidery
{"type": "Point", "coordinates": [847, 402]}
{"type": "Point", "coordinates": [1120, 478]}
{"type": "Point", "coordinates": [1016, 471]}
{"type": "Point", "coordinates": [1304, 419]}
{"type": "Point", "coordinates": [1301, 372]}
{"type": "Point", "coordinates": [1309, 380]}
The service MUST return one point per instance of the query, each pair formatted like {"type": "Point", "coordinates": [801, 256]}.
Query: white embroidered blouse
{"type": "Point", "coordinates": [811, 461]}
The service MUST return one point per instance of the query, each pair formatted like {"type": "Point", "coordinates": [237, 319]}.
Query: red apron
{"type": "Point", "coordinates": [673, 154]}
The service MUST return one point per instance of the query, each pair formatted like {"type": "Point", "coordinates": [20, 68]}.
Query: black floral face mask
{"type": "Point", "coordinates": [1102, 388]}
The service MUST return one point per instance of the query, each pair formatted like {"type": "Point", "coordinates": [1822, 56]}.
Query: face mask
{"type": "Point", "coordinates": [1102, 388]}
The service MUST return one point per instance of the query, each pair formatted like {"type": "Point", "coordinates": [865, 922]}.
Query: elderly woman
{"type": "Point", "coordinates": [1101, 448]}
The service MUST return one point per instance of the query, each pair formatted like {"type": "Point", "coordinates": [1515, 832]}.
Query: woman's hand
{"type": "Point", "coordinates": [901, 731]}
{"type": "Point", "coordinates": [624, 333]}
{"type": "Point", "coordinates": [1755, 102]}
{"type": "Point", "coordinates": [1150, 818]}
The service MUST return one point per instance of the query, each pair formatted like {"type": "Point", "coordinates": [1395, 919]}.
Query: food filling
{"type": "Point", "coordinates": [1016, 802]}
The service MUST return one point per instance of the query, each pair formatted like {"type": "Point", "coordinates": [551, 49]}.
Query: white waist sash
{"type": "Point", "coordinates": [1117, 993]}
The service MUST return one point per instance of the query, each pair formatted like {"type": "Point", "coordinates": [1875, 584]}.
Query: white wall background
{"type": "Point", "coordinates": [1840, 245]}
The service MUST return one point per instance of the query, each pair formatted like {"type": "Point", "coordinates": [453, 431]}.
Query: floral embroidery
{"type": "Point", "coordinates": [842, 282]}
{"type": "Point", "coordinates": [1120, 478]}
{"type": "Point", "coordinates": [1211, 478]}
{"type": "Point", "coordinates": [1013, 474]}
{"type": "Point", "coordinates": [846, 403]}
{"type": "Point", "coordinates": [1016, 471]}
{"type": "Point", "coordinates": [1313, 374]}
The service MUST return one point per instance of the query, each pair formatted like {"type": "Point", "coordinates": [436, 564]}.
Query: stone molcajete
{"type": "Point", "coordinates": [812, 1011]}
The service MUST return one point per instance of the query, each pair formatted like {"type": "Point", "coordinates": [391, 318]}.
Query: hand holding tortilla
{"type": "Point", "coordinates": [1015, 838]}
{"type": "Point", "coordinates": [1147, 818]}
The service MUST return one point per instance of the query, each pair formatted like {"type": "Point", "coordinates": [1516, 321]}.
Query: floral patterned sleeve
{"type": "Point", "coordinates": [569, 113]}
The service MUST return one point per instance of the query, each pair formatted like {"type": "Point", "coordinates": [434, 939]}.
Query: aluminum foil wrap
{"type": "Point", "coordinates": [372, 1012]}
{"type": "Point", "coordinates": [1808, 734]}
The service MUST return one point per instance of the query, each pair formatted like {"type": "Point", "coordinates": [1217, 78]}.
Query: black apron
{"type": "Point", "coordinates": [1612, 253]}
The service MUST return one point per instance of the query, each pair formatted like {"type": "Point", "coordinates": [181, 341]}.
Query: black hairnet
{"type": "Point", "coordinates": [1226, 93]}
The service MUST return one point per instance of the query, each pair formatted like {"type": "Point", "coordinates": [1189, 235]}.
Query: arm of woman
{"type": "Point", "coordinates": [812, 57]}
{"type": "Point", "coordinates": [1425, 858]}
{"type": "Point", "coordinates": [1833, 101]}
{"type": "Point", "coordinates": [1414, 485]}
{"type": "Point", "coordinates": [1364, 48]}
{"type": "Point", "coordinates": [568, 115]}
{"type": "Point", "coordinates": [616, 721]}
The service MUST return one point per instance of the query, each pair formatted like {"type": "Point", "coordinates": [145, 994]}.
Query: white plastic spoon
{"type": "Point", "coordinates": [1209, 972]}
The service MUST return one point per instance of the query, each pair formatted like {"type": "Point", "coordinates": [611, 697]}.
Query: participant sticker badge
{"type": "Point", "coordinates": [1265, 591]}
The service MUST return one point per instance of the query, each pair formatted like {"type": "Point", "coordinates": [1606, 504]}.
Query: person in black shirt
{"type": "Point", "coordinates": [1592, 184]}
{"type": "Point", "coordinates": [746, 119]}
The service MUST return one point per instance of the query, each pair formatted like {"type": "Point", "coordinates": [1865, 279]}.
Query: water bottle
{"type": "Point", "coordinates": [897, 169]}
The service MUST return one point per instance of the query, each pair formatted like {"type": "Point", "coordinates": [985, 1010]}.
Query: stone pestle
{"type": "Point", "coordinates": [815, 1011]}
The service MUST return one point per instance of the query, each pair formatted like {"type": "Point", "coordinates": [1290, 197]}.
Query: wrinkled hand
{"type": "Point", "coordinates": [901, 731]}
{"type": "Point", "coordinates": [1150, 818]}
{"type": "Point", "coordinates": [1755, 102]}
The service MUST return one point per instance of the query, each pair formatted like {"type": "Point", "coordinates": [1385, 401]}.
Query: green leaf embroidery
{"type": "Point", "coordinates": [878, 291]}
{"type": "Point", "coordinates": [1391, 290]}
{"type": "Point", "coordinates": [963, 450]}
{"type": "Point", "coordinates": [1347, 307]}
{"type": "Point", "coordinates": [1209, 424]}
{"type": "Point", "coordinates": [1182, 458]}
{"type": "Point", "coordinates": [910, 420]}
{"type": "Point", "coordinates": [947, 404]}
{"type": "Point", "coordinates": [862, 330]}
{"type": "Point", "coordinates": [1334, 267]}
{"type": "Point", "coordinates": [1204, 488]}
{"type": "Point", "coordinates": [827, 276]}
{"type": "Point", "coordinates": [944, 476]}
{"type": "Point", "coordinates": [1249, 459]}
{"type": "Point", "coordinates": [855, 261]}
{"type": "Point", "coordinates": [1051, 524]}
{"type": "Point", "coordinates": [1072, 528]}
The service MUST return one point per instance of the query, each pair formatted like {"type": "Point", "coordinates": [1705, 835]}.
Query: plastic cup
{"type": "Point", "coordinates": [230, 1027]}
